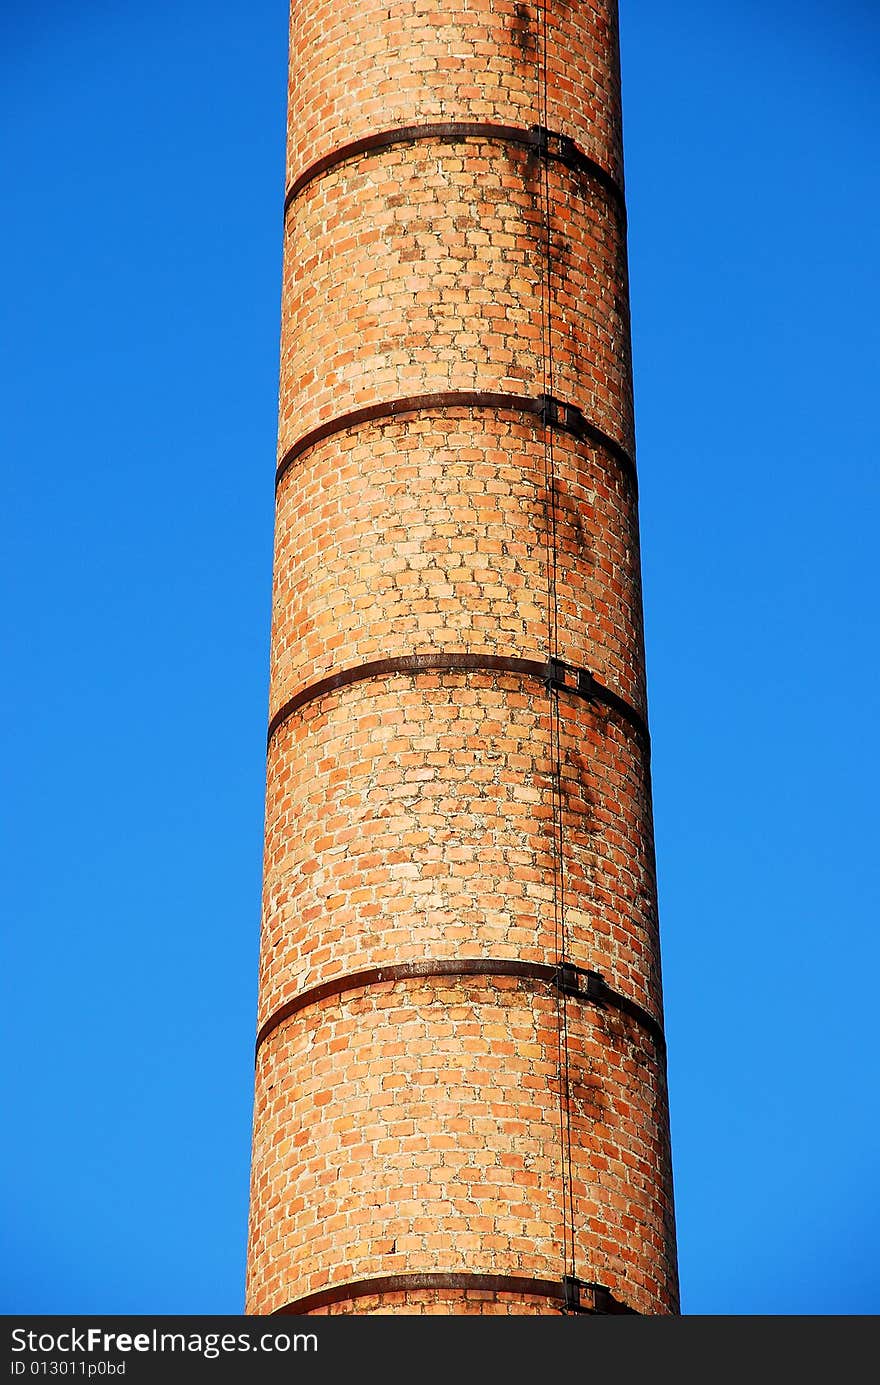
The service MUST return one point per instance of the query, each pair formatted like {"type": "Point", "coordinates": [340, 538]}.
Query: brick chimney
{"type": "Point", "coordinates": [460, 1082]}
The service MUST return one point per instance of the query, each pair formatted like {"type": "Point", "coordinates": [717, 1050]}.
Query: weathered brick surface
{"type": "Point", "coordinates": [413, 1126]}
{"type": "Point", "coordinates": [420, 269]}
{"type": "Point", "coordinates": [360, 67]}
{"type": "Point", "coordinates": [431, 533]}
{"type": "Point", "coordinates": [435, 1303]}
{"type": "Point", "coordinates": [411, 817]}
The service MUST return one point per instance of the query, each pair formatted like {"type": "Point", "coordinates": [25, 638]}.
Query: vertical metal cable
{"type": "Point", "coordinates": [559, 929]}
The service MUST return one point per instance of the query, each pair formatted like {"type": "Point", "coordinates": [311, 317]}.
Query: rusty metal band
{"type": "Point", "coordinates": [536, 139]}
{"type": "Point", "coordinates": [589, 1298]}
{"type": "Point", "coordinates": [554, 672]}
{"type": "Point", "coordinates": [548, 411]}
{"type": "Point", "coordinates": [575, 981]}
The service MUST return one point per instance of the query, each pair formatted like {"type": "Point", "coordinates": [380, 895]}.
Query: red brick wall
{"type": "Point", "coordinates": [412, 1126]}
{"type": "Point", "coordinates": [360, 67]}
{"type": "Point", "coordinates": [420, 269]}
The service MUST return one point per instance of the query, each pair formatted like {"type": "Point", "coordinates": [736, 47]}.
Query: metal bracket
{"type": "Point", "coordinates": [583, 985]}
{"type": "Point", "coordinates": [554, 676]}
{"type": "Point", "coordinates": [556, 413]}
{"type": "Point", "coordinates": [549, 144]}
{"type": "Point", "coordinates": [592, 986]}
{"type": "Point", "coordinates": [540, 138]}
{"type": "Point", "coordinates": [564, 678]}
{"type": "Point", "coordinates": [586, 683]}
{"type": "Point", "coordinates": [579, 1296]}
{"type": "Point", "coordinates": [571, 1294]}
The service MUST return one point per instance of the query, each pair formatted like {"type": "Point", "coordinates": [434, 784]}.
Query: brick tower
{"type": "Point", "coordinates": [460, 1088]}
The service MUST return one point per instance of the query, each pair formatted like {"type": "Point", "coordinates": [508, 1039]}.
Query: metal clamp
{"type": "Point", "coordinates": [556, 413]}
{"type": "Point", "coordinates": [583, 985]}
{"type": "Point", "coordinates": [591, 986]}
{"type": "Point", "coordinates": [581, 1296]}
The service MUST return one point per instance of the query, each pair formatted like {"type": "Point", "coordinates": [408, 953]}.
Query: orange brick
{"type": "Point", "coordinates": [411, 1125]}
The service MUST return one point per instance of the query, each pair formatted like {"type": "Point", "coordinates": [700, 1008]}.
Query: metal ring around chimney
{"type": "Point", "coordinates": [555, 673]}
{"type": "Point", "coordinates": [549, 411]}
{"type": "Point", "coordinates": [575, 981]}
{"type": "Point", "coordinates": [536, 139]}
{"type": "Point", "coordinates": [572, 1295]}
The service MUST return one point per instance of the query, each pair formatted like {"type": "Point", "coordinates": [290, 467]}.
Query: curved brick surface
{"type": "Point", "coordinates": [431, 533]}
{"type": "Point", "coordinates": [435, 1148]}
{"type": "Point", "coordinates": [418, 269]}
{"type": "Point", "coordinates": [413, 1126]}
{"type": "Point", "coordinates": [360, 67]}
{"type": "Point", "coordinates": [435, 1303]}
{"type": "Point", "coordinates": [409, 818]}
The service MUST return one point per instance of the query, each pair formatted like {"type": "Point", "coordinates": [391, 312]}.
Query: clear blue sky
{"type": "Point", "coordinates": [141, 246]}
